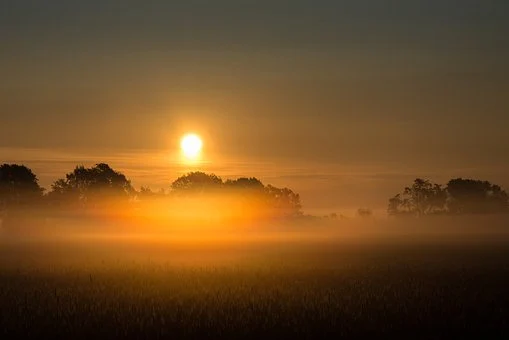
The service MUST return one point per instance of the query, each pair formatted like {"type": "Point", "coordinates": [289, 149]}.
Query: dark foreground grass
{"type": "Point", "coordinates": [321, 289]}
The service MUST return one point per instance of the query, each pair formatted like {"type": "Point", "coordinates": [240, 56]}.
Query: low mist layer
{"type": "Point", "coordinates": [353, 278]}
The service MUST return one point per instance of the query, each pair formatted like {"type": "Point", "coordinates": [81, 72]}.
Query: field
{"type": "Point", "coordinates": [245, 286]}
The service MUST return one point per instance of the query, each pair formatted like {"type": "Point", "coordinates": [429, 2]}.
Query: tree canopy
{"type": "Point", "coordinates": [18, 186]}
{"type": "Point", "coordinates": [476, 197]}
{"type": "Point", "coordinates": [284, 200]}
{"type": "Point", "coordinates": [244, 183]}
{"type": "Point", "coordinates": [90, 186]}
{"type": "Point", "coordinates": [281, 201]}
{"type": "Point", "coordinates": [196, 182]}
{"type": "Point", "coordinates": [460, 196]}
{"type": "Point", "coordinates": [101, 186]}
{"type": "Point", "coordinates": [422, 198]}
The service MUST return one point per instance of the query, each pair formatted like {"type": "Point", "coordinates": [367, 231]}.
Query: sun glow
{"type": "Point", "coordinates": [191, 145]}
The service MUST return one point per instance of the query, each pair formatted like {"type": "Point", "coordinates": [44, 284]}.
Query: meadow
{"type": "Point", "coordinates": [353, 281]}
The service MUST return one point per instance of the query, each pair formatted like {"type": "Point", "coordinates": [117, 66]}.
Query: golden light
{"type": "Point", "coordinates": [191, 146]}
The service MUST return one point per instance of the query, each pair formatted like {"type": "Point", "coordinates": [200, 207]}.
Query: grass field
{"type": "Point", "coordinates": [247, 287]}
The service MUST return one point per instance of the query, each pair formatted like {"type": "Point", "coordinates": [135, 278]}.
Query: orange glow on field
{"type": "Point", "coordinates": [218, 212]}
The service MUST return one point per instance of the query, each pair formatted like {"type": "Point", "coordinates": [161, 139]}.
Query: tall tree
{"type": "Point", "coordinates": [468, 196]}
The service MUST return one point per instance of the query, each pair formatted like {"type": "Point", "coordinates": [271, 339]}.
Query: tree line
{"type": "Point", "coordinates": [101, 187]}
{"type": "Point", "coordinates": [459, 196]}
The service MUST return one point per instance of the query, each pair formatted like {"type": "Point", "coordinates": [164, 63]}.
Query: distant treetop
{"type": "Point", "coordinates": [476, 197]}
{"type": "Point", "coordinates": [195, 182]}
{"type": "Point", "coordinates": [89, 186]}
{"type": "Point", "coordinates": [460, 196]}
{"type": "Point", "coordinates": [18, 186]}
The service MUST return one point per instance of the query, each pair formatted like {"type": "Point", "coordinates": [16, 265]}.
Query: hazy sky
{"type": "Point", "coordinates": [344, 101]}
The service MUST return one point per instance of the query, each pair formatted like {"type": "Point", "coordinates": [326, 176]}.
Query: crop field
{"type": "Point", "coordinates": [254, 288]}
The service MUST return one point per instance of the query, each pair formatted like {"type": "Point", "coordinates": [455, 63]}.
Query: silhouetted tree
{"type": "Point", "coordinates": [397, 205]}
{"type": "Point", "coordinates": [281, 201]}
{"type": "Point", "coordinates": [364, 212]}
{"type": "Point", "coordinates": [145, 193]}
{"type": "Point", "coordinates": [91, 186]}
{"type": "Point", "coordinates": [242, 183]}
{"type": "Point", "coordinates": [467, 196]}
{"type": "Point", "coordinates": [249, 194]}
{"type": "Point", "coordinates": [284, 201]}
{"type": "Point", "coordinates": [19, 186]}
{"type": "Point", "coordinates": [196, 182]}
{"type": "Point", "coordinates": [422, 198]}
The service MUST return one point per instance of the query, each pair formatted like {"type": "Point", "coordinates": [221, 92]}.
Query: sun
{"type": "Point", "coordinates": [191, 146]}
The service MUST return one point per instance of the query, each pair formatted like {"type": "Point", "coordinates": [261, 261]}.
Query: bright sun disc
{"type": "Point", "coordinates": [191, 146]}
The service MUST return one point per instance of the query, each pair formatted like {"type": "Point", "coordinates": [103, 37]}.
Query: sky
{"type": "Point", "coordinates": [346, 102]}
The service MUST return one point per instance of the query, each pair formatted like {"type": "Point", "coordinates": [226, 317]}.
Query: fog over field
{"type": "Point", "coordinates": [433, 277]}
{"type": "Point", "coordinates": [98, 239]}
{"type": "Point", "coordinates": [254, 169]}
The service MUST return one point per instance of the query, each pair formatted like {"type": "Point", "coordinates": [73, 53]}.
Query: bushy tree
{"type": "Point", "coordinates": [422, 198]}
{"type": "Point", "coordinates": [280, 201]}
{"type": "Point", "coordinates": [251, 184]}
{"type": "Point", "coordinates": [93, 186]}
{"type": "Point", "coordinates": [196, 182]}
{"type": "Point", "coordinates": [284, 201]}
{"type": "Point", "coordinates": [19, 186]}
{"type": "Point", "coordinates": [250, 191]}
{"type": "Point", "coordinates": [467, 196]}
